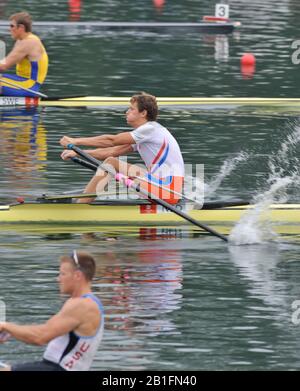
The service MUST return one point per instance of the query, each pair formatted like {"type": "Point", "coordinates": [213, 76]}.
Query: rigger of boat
{"type": "Point", "coordinates": [121, 102]}
{"type": "Point", "coordinates": [209, 25]}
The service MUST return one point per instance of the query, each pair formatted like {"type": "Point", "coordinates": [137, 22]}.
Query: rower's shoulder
{"type": "Point", "coordinates": [34, 36]}
{"type": "Point", "coordinates": [149, 125]}
{"type": "Point", "coordinates": [32, 40]}
{"type": "Point", "coordinates": [74, 303]}
{"type": "Point", "coordinates": [28, 42]}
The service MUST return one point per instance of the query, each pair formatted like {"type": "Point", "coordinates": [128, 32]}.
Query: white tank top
{"type": "Point", "coordinates": [158, 149]}
{"type": "Point", "coordinates": [74, 352]}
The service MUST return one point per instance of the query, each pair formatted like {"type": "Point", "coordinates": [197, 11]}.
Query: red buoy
{"type": "Point", "coordinates": [248, 65]}
{"type": "Point", "coordinates": [158, 3]}
{"type": "Point", "coordinates": [248, 59]}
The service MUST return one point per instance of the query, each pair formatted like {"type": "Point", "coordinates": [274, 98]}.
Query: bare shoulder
{"type": "Point", "coordinates": [28, 42]}
{"type": "Point", "coordinates": [32, 42]}
{"type": "Point", "coordinates": [19, 43]}
{"type": "Point", "coordinates": [85, 311]}
{"type": "Point", "coordinates": [79, 303]}
{"type": "Point", "coordinates": [23, 45]}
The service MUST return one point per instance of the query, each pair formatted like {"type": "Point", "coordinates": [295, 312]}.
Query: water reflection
{"type": "Point", "coordinates": [141, 289]}
{"type": "Point", "coordinates": [23, 150]}
{"type": "Point", "coordinates": [74, 10]}
{"type": "Point", "coordinates": [259, 266]}
{"type": "Point", "coordinates": [159, 5]}
{"type": "Point", "coordinates": [220, 43]}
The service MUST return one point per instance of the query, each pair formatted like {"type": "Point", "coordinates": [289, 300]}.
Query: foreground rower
{"type": "Point", "coordinates": [75, 332]}
{"type": "Point", "coordinates": [160, 152]}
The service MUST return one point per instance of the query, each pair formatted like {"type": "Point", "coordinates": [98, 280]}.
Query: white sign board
{"type": "Point", "coordinates": [222, 10]}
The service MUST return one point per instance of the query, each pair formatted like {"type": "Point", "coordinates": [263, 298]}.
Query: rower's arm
{"type": "Point", "coordinates": [18, 53]}
{"type": "Point", "coordinates": [104, 153]}
{"type": "Point", "coordinates": [104, 141]}
{"type": "Point", "coordinates": [63, 322]}
{"type": "Point", "coordinates": [101, 153]}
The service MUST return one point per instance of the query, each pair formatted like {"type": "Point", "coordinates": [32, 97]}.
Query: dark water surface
{"type": "Point", "coordinates": [173, 299]}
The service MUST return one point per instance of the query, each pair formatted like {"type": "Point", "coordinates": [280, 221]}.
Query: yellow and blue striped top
{"type": "Point", "coordinates": [34, 70]}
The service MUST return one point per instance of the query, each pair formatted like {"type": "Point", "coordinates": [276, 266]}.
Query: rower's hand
{"type": "Point", "coordinates": [65, 141]}
{"type": "Point", "coordinates": [4, 335]}
{"type": "Point", "coordinates": [67, 154]}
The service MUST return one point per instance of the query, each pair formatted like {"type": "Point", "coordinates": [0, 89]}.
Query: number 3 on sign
{"type": "Point", "coordinates": [222, 10]}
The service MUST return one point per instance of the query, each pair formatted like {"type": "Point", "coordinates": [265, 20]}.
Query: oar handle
{"type": "Point", "coordinates": [84, 163]}
{"type": "Point", "coordinates": [85, 155]}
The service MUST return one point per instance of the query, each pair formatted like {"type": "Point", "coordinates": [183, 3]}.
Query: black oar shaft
{"type": "Point", "coordinates": [84, 163]}
{"type": "Point", "coordinates": [85, 155]}
{"type": "Point", "coordinates": [131, 184]}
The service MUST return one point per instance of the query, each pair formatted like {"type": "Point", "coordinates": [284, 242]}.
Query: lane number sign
{"type": "Point", "coordinates": [222, 10]}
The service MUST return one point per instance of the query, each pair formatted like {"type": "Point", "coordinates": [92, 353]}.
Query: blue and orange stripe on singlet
{"type": "Point", "coordinates": [174, 183]}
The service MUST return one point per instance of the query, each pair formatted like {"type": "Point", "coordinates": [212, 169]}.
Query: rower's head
{"type": "Point", "coordinates": [20, 24]}
{"type": "Point", "coordinates": [76, 271]}
{"type": "Point", "coordinates": [143, 108]}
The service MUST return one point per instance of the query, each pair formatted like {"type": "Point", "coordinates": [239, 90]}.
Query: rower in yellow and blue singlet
{"type": "Point", "coordinates": [30, 57]}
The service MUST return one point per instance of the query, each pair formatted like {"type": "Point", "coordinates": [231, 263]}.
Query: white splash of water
{"type": "Point", "coordinates": [196, 189]}
{"type": "Point", "coordinates": [226, 169]}
{"type": "Point", "coordinates": [255, 226]}
{"type": "Point", "coordinates": [196, 186]}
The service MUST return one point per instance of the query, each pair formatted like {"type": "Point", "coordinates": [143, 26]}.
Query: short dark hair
{"type": "Point", "coordinates": [23, 18]}
{"type": "Point", "coordinates": [86, 263]}
{"type": "Point", "coordinates": [146, 102]}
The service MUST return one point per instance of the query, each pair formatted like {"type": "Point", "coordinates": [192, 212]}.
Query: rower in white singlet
{"type": "Point", "coordinates": [164, 171]}
{"type": "Point", "coordinates": [75, 332]}
{"type": "Point", "coordinates": [75, 352]}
